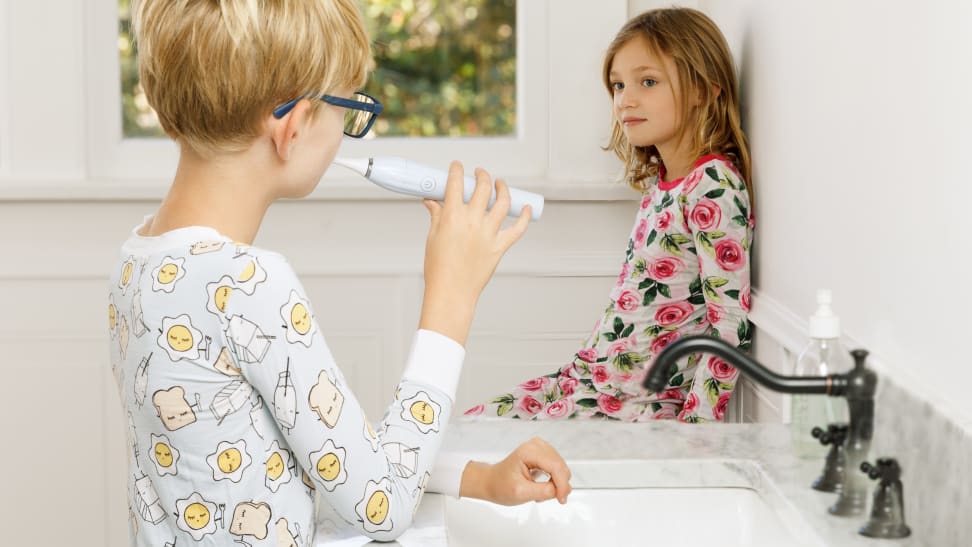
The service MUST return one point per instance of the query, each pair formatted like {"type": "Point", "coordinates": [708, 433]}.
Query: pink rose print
{"type": "Point", "coordinates": [692, 180]}
{"type": "Point", "coordinates": [475, 411]}
{"type": "Point", "coordinates": [568, 386]}
{"type": "Point", "coordinates": [608, 404]}
{"type": "Point", "coordinates": [729, 255]}
{"type": "Point", "coordinates": [645, 202]}
{"type": "Point", "coordinates": [714, 312]}
{"type": "Point", "coordinates": [559, 409]}
{"type": "Point", "coordinates": [673, 314]}
{"type": "Point", "coordinates": [706, 214]}
{"type": "Point", "coordinates": [663, 221]}
{"type": "Point", "coordinates": [666, 412]}
{"type": "Point", "coordinates": [641, 233]}
{"type": "Point", "coordinates": [587, 355]}
{"type": "Point", "coordinates": [721, 370]}
{"type": "Point", "coordinates": [662, 340]}
{"type": "Point", "coordinates": [535, 384]}
{"type": "Point", "coordinates": [719, 410]}
{"type": "Point", "coordinates": [623, 345]}
{"type": "Point", "coordinates": [628, 300]}
{"type": "Point", "coordinates": [624, 273]}
{"type": "Point", "coordinates": [744, 302]}
{"type": "Point", "coordinates": [665, 267]}
{"type": "Point", "coordinates": [529, 406]}
{"type": "Point", "coordinates": [671, 393]}
{"type": "Point", "coordinates": [690, 404]}
{"type": "Point", "coordinates": [600, 374]}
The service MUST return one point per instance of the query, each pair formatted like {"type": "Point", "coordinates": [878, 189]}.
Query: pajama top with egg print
{"type": "Point", "coordinates": [238, 415]}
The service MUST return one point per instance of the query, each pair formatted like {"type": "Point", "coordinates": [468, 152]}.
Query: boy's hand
{"type": "Point", "coordinates": [509, 482]}
{"type": "Point", "coordinates": [464, 245]}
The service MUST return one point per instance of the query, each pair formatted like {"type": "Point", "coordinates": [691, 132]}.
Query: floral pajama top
{"type": "Point", "coordinates": [686, 271]}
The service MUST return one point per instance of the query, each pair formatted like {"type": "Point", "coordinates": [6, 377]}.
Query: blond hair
{"type": "Point", "coordinates": [703, 61]}
{"type": "Point", "coordinates": [213, 70]}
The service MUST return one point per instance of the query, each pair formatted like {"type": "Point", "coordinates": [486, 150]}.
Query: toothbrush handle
{"type": "Point", "coordinates": [410, 178]}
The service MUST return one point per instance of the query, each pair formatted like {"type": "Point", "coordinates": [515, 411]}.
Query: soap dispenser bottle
{"type": "Point", "coordinates": [823, 355]}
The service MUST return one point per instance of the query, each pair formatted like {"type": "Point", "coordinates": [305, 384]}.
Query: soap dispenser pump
{"type": "Point", "coordinates": [821, 357]}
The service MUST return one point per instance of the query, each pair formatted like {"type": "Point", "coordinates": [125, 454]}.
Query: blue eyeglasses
{"type": "Point", "coordinates": [362, 109]}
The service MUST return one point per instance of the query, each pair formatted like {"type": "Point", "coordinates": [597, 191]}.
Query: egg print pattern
{"type": "Point", "coordinates": [329, 464]}
{"type": "Point", "coordinates": [279, 465]}
{"type": "Point", "coordinates": [297, 320]}
{"type": "Point", "coordinates": [225, 370]}
{"type": "Point", "coordinates": [219, 294]}
{"type": "Point", "coordinates": [229, 461]}
{"type": "Point", "coordinates": [422, 411]}
{"type": "Point", "coordinates": [163, 455]}
{"type": "Point", "coordinates": [166, 274]}
{"type": "Point", "coordinates": [373, 509]}
{"type": "Point", "coordinates": [179, 338]}
{"type": "Point", "coordinates": [125, 279]}
{"type": "Point", "coordinates": [112, 315]}
{"type": "Point", "coordinates": [251, 274]}
{"type": "Point", "coordinates": [196, 516]}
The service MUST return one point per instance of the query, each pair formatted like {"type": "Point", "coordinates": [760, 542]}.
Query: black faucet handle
{"type": "Point", "coordinates": [835, 434]}
{"type": "Point", "coordinates": [886, 469]}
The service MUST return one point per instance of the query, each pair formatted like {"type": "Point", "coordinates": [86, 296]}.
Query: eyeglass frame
{"type": "Point", "coordinates": [375, 108]}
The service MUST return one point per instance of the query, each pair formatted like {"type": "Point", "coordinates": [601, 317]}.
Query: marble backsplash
{"type": "Point", "coordinates": [935, 454]}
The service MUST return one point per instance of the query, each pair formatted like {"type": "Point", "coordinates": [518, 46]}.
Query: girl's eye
{"type": "Point", "coordinates": [617, 86]}
{"type": "Point", "coordinates": [648, 82]}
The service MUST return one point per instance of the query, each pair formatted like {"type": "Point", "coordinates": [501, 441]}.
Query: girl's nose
{"type": "Point", "coordinates": [624, 100]}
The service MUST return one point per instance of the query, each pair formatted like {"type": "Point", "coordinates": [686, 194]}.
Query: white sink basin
{"type": "Point", "coordinates": [622, 502]}
{"type": "Point", "coordinates": [637, 516]}
{"type": "Point", "coordinates": [667, 502]}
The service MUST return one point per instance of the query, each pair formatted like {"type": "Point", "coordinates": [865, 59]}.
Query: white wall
{"type": "Point", "coordinates": [860, 123]}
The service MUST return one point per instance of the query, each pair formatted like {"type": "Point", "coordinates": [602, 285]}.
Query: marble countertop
{"type": "Point", "coordinates": [765, 446]}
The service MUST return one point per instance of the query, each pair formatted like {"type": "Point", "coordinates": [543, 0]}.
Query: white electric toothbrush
{"type": "Point", "coordinates": [413, 179]}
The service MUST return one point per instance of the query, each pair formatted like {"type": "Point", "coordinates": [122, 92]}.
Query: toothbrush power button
{"type": "Point", "coordinates": [427, 184]}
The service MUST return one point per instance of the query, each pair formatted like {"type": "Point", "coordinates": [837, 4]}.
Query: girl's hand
{"type": "Point", "coordinates": [464, 245]}
{"type": "Point", "coordinates": [510, 482]}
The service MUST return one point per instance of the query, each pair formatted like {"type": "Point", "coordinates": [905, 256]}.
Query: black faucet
{"type": "Point", "coordinates": [857, 386]}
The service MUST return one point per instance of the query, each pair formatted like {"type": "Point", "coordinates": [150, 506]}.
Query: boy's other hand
{"type": "Point", "coordinates": [464, 246]}
{"type": "Point", "coordinates": [511, 482]}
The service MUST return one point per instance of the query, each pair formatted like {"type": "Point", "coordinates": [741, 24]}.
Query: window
{"type": "Point", "coordinates": [524, 99]}
{"type": "Point", "coordinates": [445, 68]}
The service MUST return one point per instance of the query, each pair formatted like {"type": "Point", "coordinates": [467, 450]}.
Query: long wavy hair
{"type": "Point", "coordinates": [703, 61]}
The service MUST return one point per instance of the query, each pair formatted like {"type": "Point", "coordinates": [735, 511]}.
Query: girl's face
{"type": "Point", "coordinates": [645, 90]}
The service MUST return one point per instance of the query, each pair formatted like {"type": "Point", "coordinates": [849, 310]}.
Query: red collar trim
{"type": "Point", "coordinates": [666, 185]}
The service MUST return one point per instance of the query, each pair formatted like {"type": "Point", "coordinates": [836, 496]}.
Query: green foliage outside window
{"type": "Point", "coordinates": [444, 68]}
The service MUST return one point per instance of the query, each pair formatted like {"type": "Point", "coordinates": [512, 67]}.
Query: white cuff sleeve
{"type": "Point", "coordinates": [447, 474]}
{"type": "Point", "coordinates": [435, 360]}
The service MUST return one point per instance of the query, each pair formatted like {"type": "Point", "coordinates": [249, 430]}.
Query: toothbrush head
{"type": "Point", "coordinates": [361, 166]}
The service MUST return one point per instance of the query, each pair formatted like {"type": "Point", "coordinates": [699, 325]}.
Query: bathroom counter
{"type": "Point", "coordinates": [765, 445]}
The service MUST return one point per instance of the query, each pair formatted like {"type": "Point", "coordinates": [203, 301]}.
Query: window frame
{"type": "Point", "coordinates": [562, 116]}
{"type": "Point", "coordinates": [144, 160]}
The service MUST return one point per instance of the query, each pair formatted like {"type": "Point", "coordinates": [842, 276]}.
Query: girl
{"type": "Point", "coordinates": [686, 267]}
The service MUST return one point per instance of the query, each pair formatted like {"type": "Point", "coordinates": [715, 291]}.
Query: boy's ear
{"type": "Point", "coordinates": [284, 131]}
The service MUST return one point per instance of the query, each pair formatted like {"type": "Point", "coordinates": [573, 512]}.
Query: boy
{"type": "Point", "coordinates": [237, 411]}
